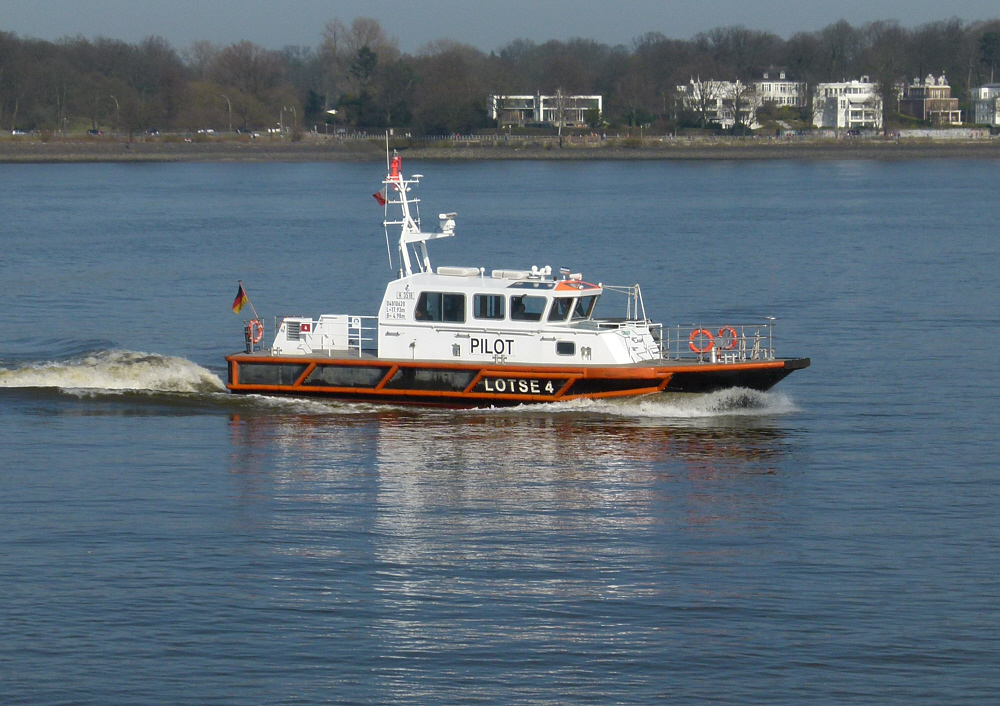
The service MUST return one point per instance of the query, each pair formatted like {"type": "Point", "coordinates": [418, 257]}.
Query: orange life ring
{"type": "Point", "coordinates": [256, 330]}
{"type": "Point", "coordinates": [733, 337]}
{"type": "Point", "coordinates": [704, 333]}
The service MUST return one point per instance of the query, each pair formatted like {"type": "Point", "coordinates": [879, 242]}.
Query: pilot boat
{"type": "Point", "coordinates": [462, 337]}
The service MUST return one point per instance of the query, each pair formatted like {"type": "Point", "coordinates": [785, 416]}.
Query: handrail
{"type": "Point", "coordinates": [635, 309]}
{"type": "Point", "coordinates": [751, 342]}
{"type": "Point", "coordinates": [252, 346]}
{"type": "Point", "coordinates": [356, 330]}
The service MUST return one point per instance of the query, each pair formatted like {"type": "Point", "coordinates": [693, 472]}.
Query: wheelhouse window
{"type": "Point", "coordinates": [527, 308]}
{"type": "Point", "coordinates": [488, 306]}
{"type": "Point", "coordinates": [561, 307]}
{"type": "Point", "coordinates": [439, 306]}
{"type": "Point", "coordinates": [584, 307]}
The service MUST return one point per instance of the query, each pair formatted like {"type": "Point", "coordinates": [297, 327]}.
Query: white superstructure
{"type": "Point", "coordinates": [463, 314]}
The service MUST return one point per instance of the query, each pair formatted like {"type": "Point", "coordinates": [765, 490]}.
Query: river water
{"type": "Point", "coordinates": [832, 541]}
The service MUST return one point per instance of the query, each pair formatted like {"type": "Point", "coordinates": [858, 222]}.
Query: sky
{"type": "Point", "coordinates": [487, 25]}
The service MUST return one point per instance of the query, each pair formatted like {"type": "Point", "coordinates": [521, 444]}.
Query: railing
{"type": "Point", "coordinates": [736, 343]}
{"type": "Point", "coordinates": [254, 334]}
{"type": "Point", "coordinates": [362, 329]}
{"type": "Point", "coordinates": [634, 307]}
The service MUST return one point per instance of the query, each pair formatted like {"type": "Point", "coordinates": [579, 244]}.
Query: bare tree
{"type": "Point", "coordinates": [887, 42]}
{"type": "Point", "coordinates": [742, 102]}
{"type": "Point", "coordinates": [706, 96]}
{"type": "Point", "coordinates": [989, 50]}
{"type": "Point", "coordinates": [560, 103]}
{"type": "Point", "coordinates": [199, 56]}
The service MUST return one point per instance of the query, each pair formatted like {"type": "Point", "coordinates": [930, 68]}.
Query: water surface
{"type": "Point", "coordinates": [833, 541]}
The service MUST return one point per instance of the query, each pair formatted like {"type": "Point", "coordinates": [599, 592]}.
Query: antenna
{"type": "Point", "coordinates": [388, 250]}
{"type": "Point", "coordinates": [387, 156]}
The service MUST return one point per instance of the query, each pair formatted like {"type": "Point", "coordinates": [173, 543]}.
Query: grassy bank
{"type": "Point", "coordinates": [26, 149]}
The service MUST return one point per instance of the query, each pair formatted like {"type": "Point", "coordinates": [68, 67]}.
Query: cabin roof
{"type": "Point", "coordinates": [495, 281]}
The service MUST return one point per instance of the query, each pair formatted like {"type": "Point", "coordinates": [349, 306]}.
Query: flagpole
{"type": "Point", "coordinates": [248, 300]}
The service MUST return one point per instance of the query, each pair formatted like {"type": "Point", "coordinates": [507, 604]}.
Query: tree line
{"type": "Point", "coordinates": [445, 87]}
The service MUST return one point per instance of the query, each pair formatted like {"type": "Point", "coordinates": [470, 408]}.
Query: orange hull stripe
{"type": "Point", "coordinates": [618, 373]}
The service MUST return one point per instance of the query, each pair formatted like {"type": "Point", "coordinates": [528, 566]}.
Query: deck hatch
{"type": "Point", "coordinates": [269, 373]}
{"type": "Point", "coordinates": [345, 376]}
{"type": "Point", "coordinates": [430, 379]}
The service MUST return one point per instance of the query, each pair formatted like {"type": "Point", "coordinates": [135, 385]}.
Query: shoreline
{"type": "Point", "coordinates": [113, 150]}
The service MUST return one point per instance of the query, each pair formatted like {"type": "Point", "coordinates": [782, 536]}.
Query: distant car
{"type": "Point", "coordinates": [153, 133]}
{"type": "Point", "coordinates": [208, 131]}
{"type": "Point", "coordinates": [95, 133]}
{"type": "Point", "coordinates": [18, 132]}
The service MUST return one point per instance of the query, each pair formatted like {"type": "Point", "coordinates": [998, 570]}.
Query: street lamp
{"type": "Point", "coordinates": [118, 113]}
{"type": "Point", "coordinates": [230, 112]}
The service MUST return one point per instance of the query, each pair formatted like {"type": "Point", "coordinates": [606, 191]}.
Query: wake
{"type": "Point", "coordinates": [115, 371]}
{"type": "Point", "coordinates": [735, 402]}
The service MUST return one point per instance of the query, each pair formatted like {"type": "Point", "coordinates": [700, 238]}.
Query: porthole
{"type": "Point", "coordinates": [565, 348]}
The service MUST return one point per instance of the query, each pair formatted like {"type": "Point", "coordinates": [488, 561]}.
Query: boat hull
{"type": "Point", "coordinates": [433, 383]}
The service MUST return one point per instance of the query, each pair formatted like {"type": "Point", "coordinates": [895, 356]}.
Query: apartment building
{"type": "Point", "coordinates": [848, 105]}
{"type": "Point", "coordinates": [986, 105]}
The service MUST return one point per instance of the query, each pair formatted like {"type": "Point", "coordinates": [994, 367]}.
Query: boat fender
{"type": "Point", "coordinates": [256, 330]}
{"type": "Point", "coordinates": [733, 337]}
{"type": "Point", "coordinates": [705, 334]}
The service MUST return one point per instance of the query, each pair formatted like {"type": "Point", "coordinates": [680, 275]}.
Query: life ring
{"type": "Point", "coordinates": [703, 333]}
{"type": "Point", "coordinates": [256, 330]}
{"type": "Point", "coordinates": [733, 337]}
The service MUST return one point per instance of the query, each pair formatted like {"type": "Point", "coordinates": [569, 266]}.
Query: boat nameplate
{"type": "Point", "coordinates": [539, 386]}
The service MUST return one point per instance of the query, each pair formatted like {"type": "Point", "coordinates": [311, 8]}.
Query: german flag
{"type": "Point", "coordinates": [241, 299]}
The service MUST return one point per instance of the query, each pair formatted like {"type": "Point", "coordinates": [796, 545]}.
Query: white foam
{"type": "Point", "coordinates": [724, 403]}
{"type": "Point", "coordinates": [310, 406]}
{"type": "Point", "coordinates": [115, 371]}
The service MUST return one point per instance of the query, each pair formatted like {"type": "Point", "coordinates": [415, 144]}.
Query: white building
{"type": "Point", "coordinates": [986, 105]}
{"type": "Point", "coordinates": [776, 88]}
{"type": "Point", "coordinates": [719, 102]}
{"type": "Point", "coordinates": [850, 105]}
{"type": "Point", "coordinates": [524, 109]}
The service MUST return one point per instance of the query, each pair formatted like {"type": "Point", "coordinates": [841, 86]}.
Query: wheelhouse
{"type": "Point", "coordinates": [543, 302]}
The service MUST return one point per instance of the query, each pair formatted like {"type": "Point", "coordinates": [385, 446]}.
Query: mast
{"type": "Point", "coordinates": [410, 232]}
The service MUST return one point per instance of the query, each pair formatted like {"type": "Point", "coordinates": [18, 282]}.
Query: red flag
{"type": "Point", "coordinates": [241, 299]}
{"type": "Point", "coordinates": [380, 197]}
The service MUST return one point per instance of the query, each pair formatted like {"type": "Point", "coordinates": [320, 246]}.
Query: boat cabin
{"type": "Point", "coordinates": [463, 314]}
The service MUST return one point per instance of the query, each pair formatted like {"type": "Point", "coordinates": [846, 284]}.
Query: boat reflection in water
{"type": "Point", "coordinates": [438, 472]}
{"type": "Point", "coordinates": [467, 538]}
